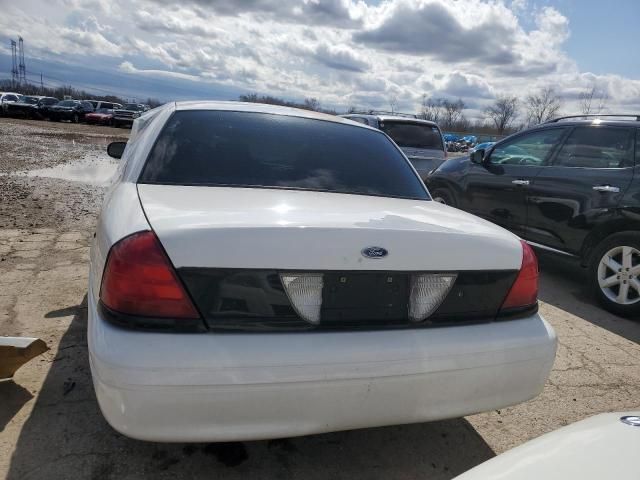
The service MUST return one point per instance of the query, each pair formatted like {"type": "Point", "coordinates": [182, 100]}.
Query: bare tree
{"type": "Point", "coordinates": [431, 109]}
{"type": "Point", "coordinates": [593, 100]}
{"type": "Point", "coordinates": [503, 111]}
{"type": "Point", "coordinates": [393, 103]}
{"type": "Point", "coordinates": [452, 112]}
{"type": "Point", "coordinates": [542, 106]}
{"type": "Point", "coordinates": [447, 113]}
{"type": "Point", "coordinates": [312, 104]}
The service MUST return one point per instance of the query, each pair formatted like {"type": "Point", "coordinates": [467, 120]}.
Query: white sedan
{"type": "Point", "coordinates": [263, 272]}
{"type": "Point", "coordinates": [605, 446]}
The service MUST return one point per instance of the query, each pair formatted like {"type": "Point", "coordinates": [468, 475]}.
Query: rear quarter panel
{"type": "Point", "coordinates": [121, 216]}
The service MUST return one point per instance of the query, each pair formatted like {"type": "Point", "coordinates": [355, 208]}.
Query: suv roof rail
{"type": "Point", "coordinates": [384, 112]}
{"type": "Point", "coordinates": [635, 117]}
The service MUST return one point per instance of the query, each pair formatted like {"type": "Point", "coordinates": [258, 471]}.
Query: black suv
{"type": "Point", "coordinates": [566, 186]}
{"type": "Point", "coordinates": [73, 110]}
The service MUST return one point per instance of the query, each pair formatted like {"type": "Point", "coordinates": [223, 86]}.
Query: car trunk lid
{"type": "Point", "coordinates": [227, 227]}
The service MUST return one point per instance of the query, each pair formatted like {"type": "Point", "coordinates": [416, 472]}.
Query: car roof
{"type": "Point", "coordinates": [586, 122]}
{"type": "Point", "coordinates": [263, 108]}
{"type": "Point", "coordinates": [395, 118]}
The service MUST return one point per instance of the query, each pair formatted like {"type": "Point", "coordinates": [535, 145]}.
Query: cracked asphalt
{"type": "Point", "coordinates": [51, 427]}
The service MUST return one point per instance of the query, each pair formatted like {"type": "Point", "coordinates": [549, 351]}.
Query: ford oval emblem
{"type": "Point", "coordinates": [631, 420]}
{"type": "Point", "coordinates": [374, 252]}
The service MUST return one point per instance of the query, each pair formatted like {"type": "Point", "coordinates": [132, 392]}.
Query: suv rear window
{"type": "Point", "coordinates": [413, 135]}
{"type": "Point", "coordinates": [222, 148]}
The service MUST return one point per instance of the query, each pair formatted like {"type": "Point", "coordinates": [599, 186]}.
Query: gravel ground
{"type": "Point", "coordinates": [51, 427]}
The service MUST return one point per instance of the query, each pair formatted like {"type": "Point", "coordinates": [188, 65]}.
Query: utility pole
{"type": "Point", "coordinates": [41, 84]}
{"type": "Point", "coordinates": [22, 69]}
{"type": "Point", "coordinates": [14, 65]}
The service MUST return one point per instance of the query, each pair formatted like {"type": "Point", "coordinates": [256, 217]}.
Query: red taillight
{"type": "Point", "coordinates": [140, 280]}
{"type": "Point", "coordinates": [524, 291]}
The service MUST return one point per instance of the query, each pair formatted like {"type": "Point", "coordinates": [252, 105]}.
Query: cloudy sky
{"type": "Point", "coordinates": [343, 52]}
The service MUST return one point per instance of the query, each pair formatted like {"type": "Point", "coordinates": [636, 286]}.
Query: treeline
{"type": "Point", "coordinates": [67, 90]}
{"type": "Point", "coordinates": [308, 103]}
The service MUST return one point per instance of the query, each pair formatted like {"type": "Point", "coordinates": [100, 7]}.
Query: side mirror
{"type": "Point", "coordinates": [116, 149]}
{"type": "Point", "coordinates": [477, 156]}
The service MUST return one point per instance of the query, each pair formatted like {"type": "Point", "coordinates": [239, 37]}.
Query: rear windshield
{"type": "Point", "coordinates": [221, 148]}
{"type": "Point", "coordinates": [413, 135]}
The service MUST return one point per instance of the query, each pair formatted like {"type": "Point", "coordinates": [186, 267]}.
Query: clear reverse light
{"type": "Point", "coordinates": [427, 291]}
{"type": "Point", "coordinates": [305, 294]}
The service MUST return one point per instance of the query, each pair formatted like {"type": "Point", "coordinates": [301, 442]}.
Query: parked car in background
{"type": "Point", "coordinates": [565, 186]}
{"type": "Point", "coordinates": [43, 107]}
{"type": "Point", "coordinates": [102, 116]}
{"type": "Point", "coordinates": [7, 98]}
{"type": "Point", "coordinates": [257, 232]}
{"type": "Point", "coordinates": [420, 140]}
{"type": "Point", "coordinates": [126, 115]}
{"type": "Point", "coordinates": [98, 104]}
{"type": "Point", "coordinates": [73, 110]}
{"type": "Point", "coordinates": [592, 449]}
{"type": "Point", "coordinates": [25, 107]}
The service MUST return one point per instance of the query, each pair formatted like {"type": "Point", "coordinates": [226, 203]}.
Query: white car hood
{"type": "Point", "coordinates": [598, 448]}
{"type": "Point", "coordinates": [288, 229]}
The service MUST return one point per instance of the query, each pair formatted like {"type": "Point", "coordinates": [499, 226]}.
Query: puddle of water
{"type": "Point", "coordinates": [94, 170]}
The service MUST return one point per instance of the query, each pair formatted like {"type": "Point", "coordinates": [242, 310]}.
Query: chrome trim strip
{"type": "Point", "coordinates": [550, 249]}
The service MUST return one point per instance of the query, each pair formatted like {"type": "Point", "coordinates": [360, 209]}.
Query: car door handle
{"type": "Point", "coordinates": [520, 182]}
{"type": "Point", "coordinates": [606, 188]}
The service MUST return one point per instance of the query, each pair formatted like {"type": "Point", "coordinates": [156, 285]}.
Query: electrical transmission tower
{"type": "Point", "coordinates": [14, 64]}
{"type": "Point", "coordinates": [22, 69]}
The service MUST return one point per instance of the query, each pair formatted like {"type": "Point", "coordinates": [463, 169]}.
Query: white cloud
{"type": "Point", "coordinates": [344, 52]}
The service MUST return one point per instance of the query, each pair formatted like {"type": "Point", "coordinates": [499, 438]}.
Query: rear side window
{"type": "Point", "coordinates": [413, 135]}
{"type": "Point", "coordinates": [221, 148]}
{"type": "Point", "coordinates": [597, 147]}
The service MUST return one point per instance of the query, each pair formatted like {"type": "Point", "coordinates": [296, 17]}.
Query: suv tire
{"type": "Point", "coordinates": [614, 273]}
{"type": "Point", "coordinates": [444, 197]}
{"type": "Point", "coordinates": [76, 118]}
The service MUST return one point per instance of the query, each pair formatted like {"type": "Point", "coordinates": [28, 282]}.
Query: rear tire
{"type": "Point", "coordinates": [614, 273]}
{"type": "Point", "coordinates": [443, 196]}
{"type": "Point", "coordinates": [76, 118]}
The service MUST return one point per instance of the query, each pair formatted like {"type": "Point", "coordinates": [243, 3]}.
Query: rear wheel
{"type": "Point", "coordinates": [443, 196]}
{"type": "Point", "coordinates": [75, 118]}
{"type": "Point", "coordinates": [614, 273]}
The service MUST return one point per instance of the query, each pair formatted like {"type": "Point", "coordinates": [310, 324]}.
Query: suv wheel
{"type": "Point", "coordinates": [442, 196]}
{"type": "Point", "coordinates": [614, 273]}
{"type": "Point", "coordinates": [76, 118]}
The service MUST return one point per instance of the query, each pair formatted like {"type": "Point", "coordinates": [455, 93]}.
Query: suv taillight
{"type": "Point", "coordinates": [524, 291]}
{"type": "Point", "coordinates": [140, 280]}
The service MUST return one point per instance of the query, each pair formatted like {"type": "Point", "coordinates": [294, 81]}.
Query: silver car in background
{"type": "Point", "coordinates": [420, 140]}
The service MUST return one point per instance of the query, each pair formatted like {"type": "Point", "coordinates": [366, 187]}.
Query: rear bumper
{"type": "Point", "coordinates": [97, 121]}
{"type": "Point", "coordinates": [123, 120]}
{"type": "Point", "coordinates": [63, 115]}
{"type": "Point", "coordinates": [228, 387]}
